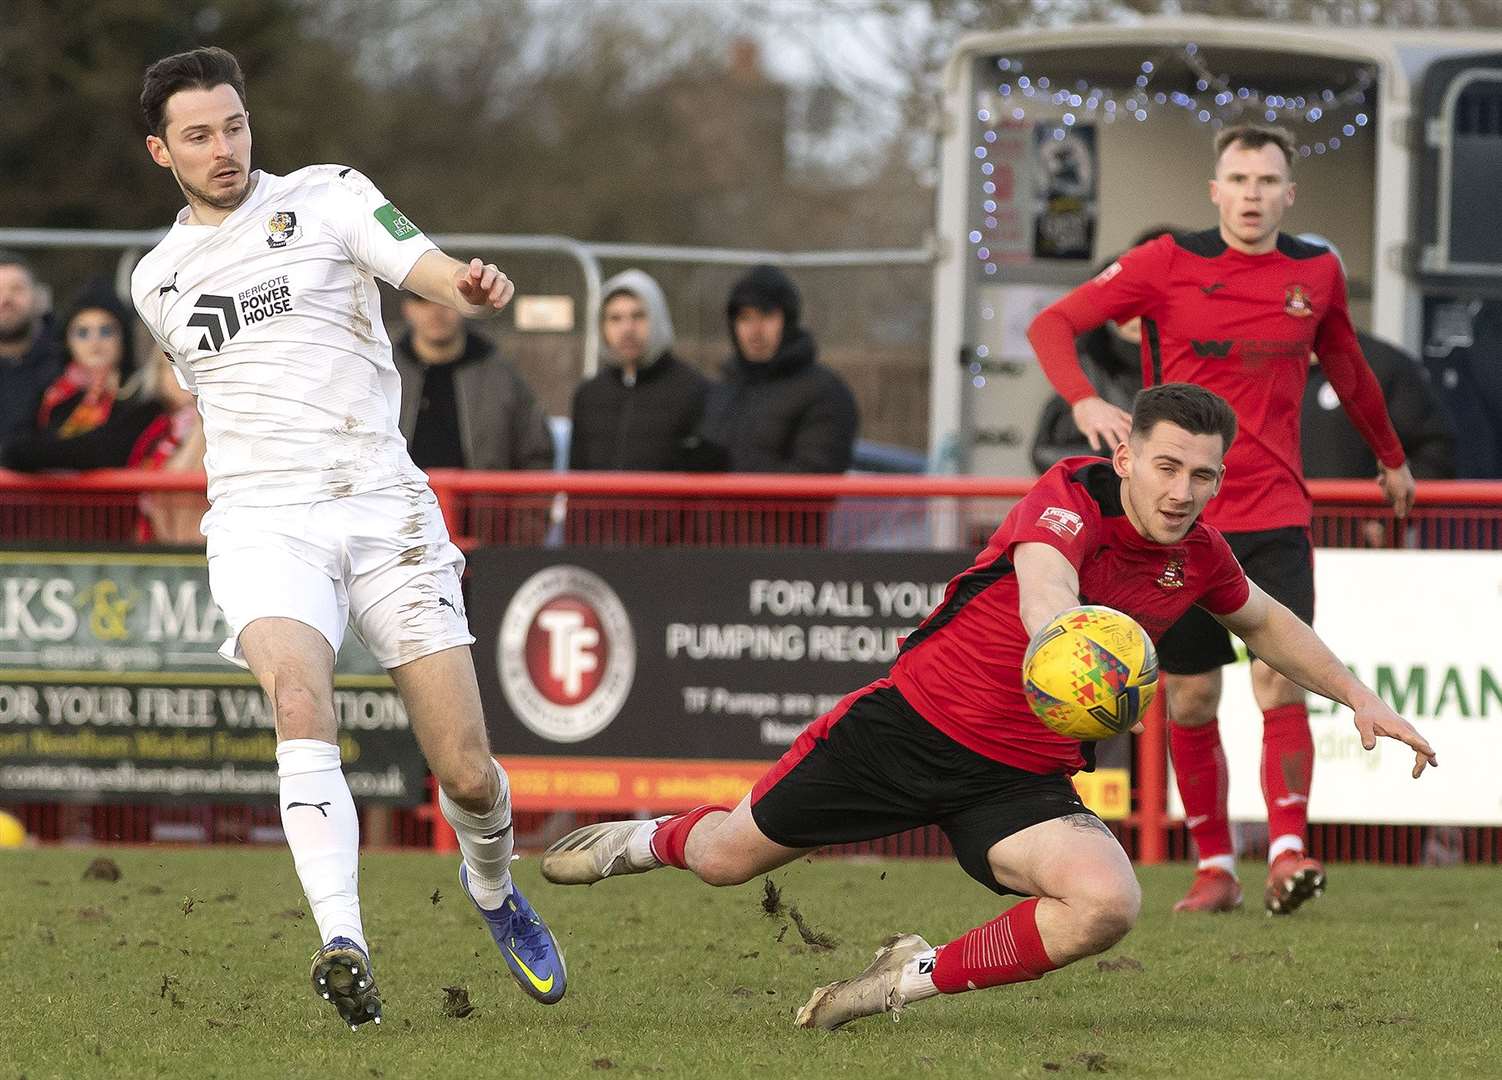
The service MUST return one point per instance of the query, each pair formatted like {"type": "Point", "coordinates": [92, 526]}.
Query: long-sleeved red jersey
{"type": "Point", "coordinates": [1243, 326]}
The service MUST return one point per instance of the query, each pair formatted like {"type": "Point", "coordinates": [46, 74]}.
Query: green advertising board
{"type": "Point", "coordinates": [112, 689]}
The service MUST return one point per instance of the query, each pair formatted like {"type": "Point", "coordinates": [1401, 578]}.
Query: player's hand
{"type": "Point", "coordinates": [1374, 718]}
{"type": "Point", "coordinates": [1103, 424]}
{"type": "Point", "coordinates": [1397, 487]}
{"type": "Point", "coordinates": [482, 285]}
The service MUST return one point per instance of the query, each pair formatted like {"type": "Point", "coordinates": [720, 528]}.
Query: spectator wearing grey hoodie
{"type": "Point", "coordinates": [644, 402]}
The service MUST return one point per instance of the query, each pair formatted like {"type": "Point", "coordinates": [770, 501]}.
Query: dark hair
{"type": "Point", "coordinates": [1255, 137]}
{"type": "Point", "coordinates": [11, 258]}
{"type": "Point", "coordinates": [196, 69]}
{"type": "Point", "coordinates": [1193, 408]}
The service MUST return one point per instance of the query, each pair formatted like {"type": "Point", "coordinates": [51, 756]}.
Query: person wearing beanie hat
{"type": "Point", "coordinates": [777, 409]}
{"type": "Point", "coordinates": [94, 414]}
{"type": "Point", "coordinates": [644, 403]}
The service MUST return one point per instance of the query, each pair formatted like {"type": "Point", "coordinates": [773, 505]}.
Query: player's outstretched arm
{"type": "Point", "coordinates": [1047, 583]}
{"type": "Point", "coordinates": [475, 289]}
{"type": "Point", "coordinates": [1286, 644]}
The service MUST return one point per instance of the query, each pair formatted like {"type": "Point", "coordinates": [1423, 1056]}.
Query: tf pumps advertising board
{"type": "Point", "coordinates": [618, 679]}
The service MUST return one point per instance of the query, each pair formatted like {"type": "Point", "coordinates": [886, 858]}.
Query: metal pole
{"type": "Point", "coordinates": [748, 257]}
{"type": "Point", "coordinates": [588, 256]}
{"type": "Point", "coordinates": [1152, 783]}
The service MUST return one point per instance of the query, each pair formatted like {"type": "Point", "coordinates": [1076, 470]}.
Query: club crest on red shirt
{"type": "Point", "coordinates": [1172, 576]}
{"type": "Point", "coordinates": [1296, 302]}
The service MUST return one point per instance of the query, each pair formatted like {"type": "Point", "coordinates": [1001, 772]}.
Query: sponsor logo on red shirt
{"type": "Point", "coordinates": [1065, 523]}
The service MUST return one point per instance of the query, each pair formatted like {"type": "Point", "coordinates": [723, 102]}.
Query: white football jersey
{"type": "Point", "coordinates": [272, 318]}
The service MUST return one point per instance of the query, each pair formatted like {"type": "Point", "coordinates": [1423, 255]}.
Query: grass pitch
{"type": "Point", "coordinates": [194, 965]}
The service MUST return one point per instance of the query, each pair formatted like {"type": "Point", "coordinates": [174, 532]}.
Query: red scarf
{"type": "Point", "coordinates": [96, 393]}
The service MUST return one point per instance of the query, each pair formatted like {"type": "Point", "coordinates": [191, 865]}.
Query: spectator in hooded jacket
{"type": "Point", "coordinates": [96, 414]}
{"type": "Point", "coordinates": [463, 405]}
{"type": "Point", "coordinates": [637, 412]}
{"type": "Point", "coordinates": [777, 409]}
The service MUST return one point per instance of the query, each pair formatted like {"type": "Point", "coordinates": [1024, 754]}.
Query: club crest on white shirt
{"type": "Point", "coordinates": [282, 229]}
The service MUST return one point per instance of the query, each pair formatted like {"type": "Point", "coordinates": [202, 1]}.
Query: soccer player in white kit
{"type": "Point", "coordinates": [263, 296]}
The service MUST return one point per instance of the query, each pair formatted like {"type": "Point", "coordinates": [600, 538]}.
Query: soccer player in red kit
{"type": "Point", "coordinates": [1238, 309]}
{"type": "Point", "coordinates": [947, 737]}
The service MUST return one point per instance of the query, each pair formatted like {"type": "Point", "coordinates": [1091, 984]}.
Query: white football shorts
{"type": "Point", "coordinates": [382, 561]}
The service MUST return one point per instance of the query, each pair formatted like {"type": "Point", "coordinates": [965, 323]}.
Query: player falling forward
{"type": "Point", "coordinates": [263, 296]}
{"type": "Point", "coordinates": [948, 739]}
{"type": "Point", "coordinates": [1238, 309]}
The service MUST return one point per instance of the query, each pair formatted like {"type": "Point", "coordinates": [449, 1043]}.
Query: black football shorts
{"type": "Point", "coordinates": [878, 768]}
{"type": "Point", "coordinates": [1280, 562]}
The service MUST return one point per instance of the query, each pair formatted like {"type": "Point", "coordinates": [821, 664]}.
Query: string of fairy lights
{"type": "Point", "coordinates": [1322, 118]}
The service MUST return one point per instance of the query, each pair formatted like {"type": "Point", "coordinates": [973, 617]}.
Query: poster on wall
{"type": "Point", "coordinates": [112, 690]}
{"type": "Point", "coordinates": [1425, 641]}
{"type": "Point", "coordinates": [1065, 187]}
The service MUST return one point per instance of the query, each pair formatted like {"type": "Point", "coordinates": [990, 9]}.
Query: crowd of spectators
{"type": "Point", "coordinates": [74, 395]}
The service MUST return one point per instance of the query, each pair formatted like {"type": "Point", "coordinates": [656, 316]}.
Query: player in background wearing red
{"type": "Point", "coordinates": [948, 739]}
{"type": "Point", "coordinates": [1238, 309]}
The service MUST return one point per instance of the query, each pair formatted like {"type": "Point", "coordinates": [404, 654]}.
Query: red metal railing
{"type": "Point", "coordinates": [731, 510]}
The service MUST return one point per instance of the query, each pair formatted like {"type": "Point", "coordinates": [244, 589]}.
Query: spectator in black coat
{"type": "Point", "coordinates": [1332, 448]}
{"type": "Point", "coordinates": [777, 409]}
{"type": "Point", "coordinates": [463, 405]}
{"type": "Point", "coordinates": [1111, 357]}
{"type": "Point", "coordinates": [29, 357]}
{"type": "Point", "coordinates": [638, 411]}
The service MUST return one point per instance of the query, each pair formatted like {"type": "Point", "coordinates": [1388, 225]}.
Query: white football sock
{"type": "Point", "coordinates": [486, 842]}
{"type": "Point", "coordinates": [323, 831]}
{"type": "Point", "coordinates": [917, 980]}
{"type": "Point", "coordinates": [1287, 842]}
{"type": "Point", "coordinates": [1220, 862]}
{"type": "Point", "coordinates": [639, 851]}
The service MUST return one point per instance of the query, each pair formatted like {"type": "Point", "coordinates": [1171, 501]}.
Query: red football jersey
{"type": "Point", "coordinates": [1243, 326]}
{"type": "Point", "coordinates": [962, 668]}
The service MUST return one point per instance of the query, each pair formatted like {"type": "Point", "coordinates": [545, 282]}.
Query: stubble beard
{"type": "Point", "coordinates": [18, 332]}
{"type": "Point", "coordinates": [218, 202]}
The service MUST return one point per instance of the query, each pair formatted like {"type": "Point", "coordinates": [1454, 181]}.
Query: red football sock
{"type": "Point", "coordinates": [1287, 766]}
{"type": "Point", "coordinates": [1199, 765]}
{"type": "Point", "coordinates": [1005, 950]}
{"type": "Point", "coordinates": [671, 837]}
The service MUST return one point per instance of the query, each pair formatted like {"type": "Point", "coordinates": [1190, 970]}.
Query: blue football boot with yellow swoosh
{"type": "Point", "coordinates": [526, 944]}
